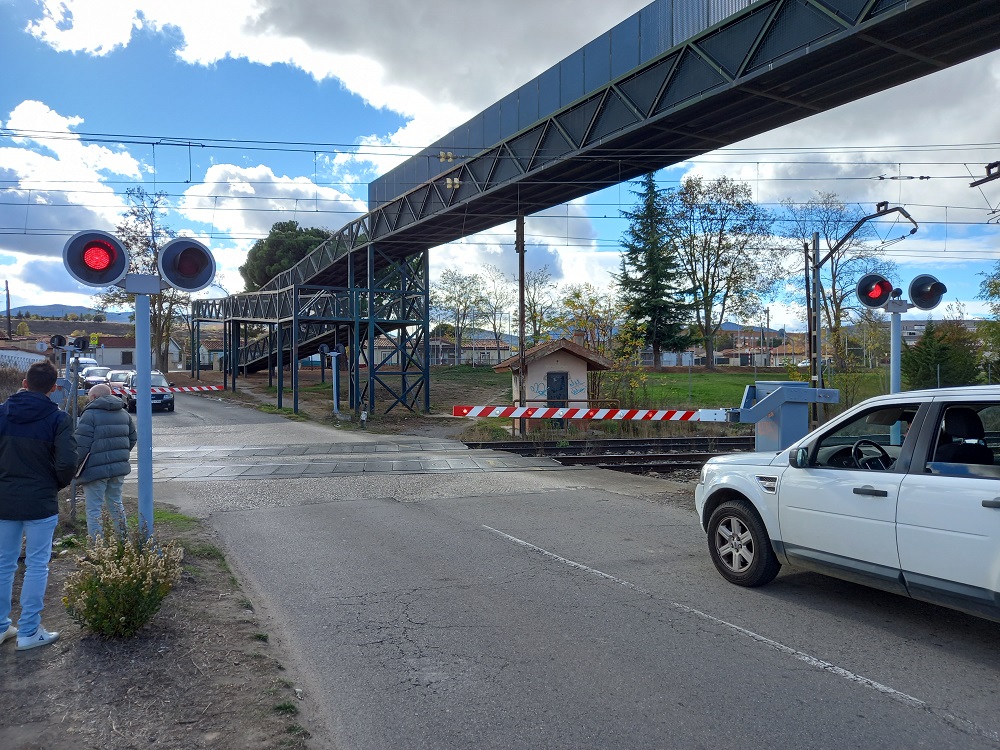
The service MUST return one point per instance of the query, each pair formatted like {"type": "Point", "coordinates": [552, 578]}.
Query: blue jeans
{"type": "Point", "coordinates": [38, 551]}
{"type": "Point", "coordinates": [101, 493]}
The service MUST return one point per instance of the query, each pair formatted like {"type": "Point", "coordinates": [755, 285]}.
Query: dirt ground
{"type": "Point", "coordinates": [204, 673]}
{"type": "Point", "coordinates": [207, 672]}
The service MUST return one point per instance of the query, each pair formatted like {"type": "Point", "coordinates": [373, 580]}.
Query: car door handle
{"type": "Point", "coordinates": [871, 492]}
{"type": "Point", "coordinates": [992, 503]}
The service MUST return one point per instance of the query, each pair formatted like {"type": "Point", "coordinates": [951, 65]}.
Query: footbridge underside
{"type": "Point", "coordinates": [772, 63]}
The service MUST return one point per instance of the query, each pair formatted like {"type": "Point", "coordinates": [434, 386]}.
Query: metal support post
{"type": "Point", "coordinates": [520, 249]}
{"type": "Point", "coordinates": [335, 379]}
{"type": "Point", "coordinates": [281, 366]}
{"type": "Point", "coordinates": [144, 413]}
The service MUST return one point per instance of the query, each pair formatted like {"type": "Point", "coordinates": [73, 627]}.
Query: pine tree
{"type": "Point", "coordinates": [941, 356]}
{"type": "Point", "coordinates": [650, 281]}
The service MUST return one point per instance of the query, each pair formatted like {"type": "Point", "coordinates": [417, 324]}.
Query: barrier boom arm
{"type": "Point", "coordinates": [552, 412]}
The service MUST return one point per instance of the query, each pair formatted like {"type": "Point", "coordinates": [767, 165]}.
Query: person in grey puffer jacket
{"type": "Point", "coordinates": [105, 436]}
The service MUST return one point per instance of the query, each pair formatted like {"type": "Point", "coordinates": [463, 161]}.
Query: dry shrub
{"type": "Point", "coordinates": [122, 580]}
{"type": "Point", "coordinates": [10, 381]}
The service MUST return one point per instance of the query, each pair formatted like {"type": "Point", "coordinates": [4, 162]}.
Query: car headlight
{"type": "Point", "coordinates": [168, 397]}
{"type": "Point", "coordinates": [704, 473]}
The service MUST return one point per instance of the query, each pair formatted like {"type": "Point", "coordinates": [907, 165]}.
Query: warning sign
{"type": "Point", "coordinates": [93, 339]}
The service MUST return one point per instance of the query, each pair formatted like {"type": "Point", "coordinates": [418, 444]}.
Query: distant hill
{"type": "Point", "coordinates": [59, 311]}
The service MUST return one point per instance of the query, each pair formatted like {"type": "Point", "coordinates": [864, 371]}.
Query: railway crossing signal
{"type": "Point", "coordinates": [95, 258]}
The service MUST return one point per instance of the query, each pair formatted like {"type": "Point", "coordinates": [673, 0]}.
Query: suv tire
{"type": "Point", "coordinates": [739, 545]}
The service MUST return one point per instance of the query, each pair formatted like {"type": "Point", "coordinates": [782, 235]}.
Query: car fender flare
{"type": "Point", "coordinates": [735, 485]}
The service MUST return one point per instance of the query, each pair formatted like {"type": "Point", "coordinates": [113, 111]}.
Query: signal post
{"type": "Point", "coordinates": [100, 259]}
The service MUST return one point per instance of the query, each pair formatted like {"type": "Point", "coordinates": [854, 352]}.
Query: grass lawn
{"type": "Point", "coordinates": [724, 389]}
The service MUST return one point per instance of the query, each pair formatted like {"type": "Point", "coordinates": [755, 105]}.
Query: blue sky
{"type": "Point", "coordinates": [248, 112]}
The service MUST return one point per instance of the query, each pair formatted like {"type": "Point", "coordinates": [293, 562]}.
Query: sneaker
{"type": "Point", "coordinates": [41, 637]}
{"type": "Point", "coordinates": [10, 632]}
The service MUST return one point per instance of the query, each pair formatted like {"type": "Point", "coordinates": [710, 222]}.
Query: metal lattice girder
{"type": "Point", "coordinates": [772, 63]}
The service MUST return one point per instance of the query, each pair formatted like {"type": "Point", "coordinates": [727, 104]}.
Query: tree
{"type": "Point", "coordinates": [457, 297]}
{"type": "Point", "coordinates": [944, 356]}
{"type": "Point", "coordinates": [723, 242]}
{"type": "Point", "coordinates": [598, 314]}
{"type": "Point", "coordinates": [650, 279]}
{"type": "Point", "coordinates": [499, 295]}
{"type": "Point", "coordinates": [22, 329]}
{"type": "Point", "coordinates": [539, 304]}
{"type": "Point", "coordinates": [827, 215]}
{"type": "Point", "coordinates": [872, 329]}
{"type": "Point", "coordinates": [285, 245]}
{"type": "Point", "coordinates": [143, 233]}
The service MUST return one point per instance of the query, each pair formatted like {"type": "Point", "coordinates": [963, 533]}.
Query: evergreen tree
{"type": "Point", "coordinates": [285, 245]}
{"type": "Point", "coordinates": [944, 350]}
{"type": "Point", "coordinates": [650, 281]}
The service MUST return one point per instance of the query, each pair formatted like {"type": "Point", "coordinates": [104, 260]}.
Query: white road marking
{"type": "Point", "coordinates": [801, 656]}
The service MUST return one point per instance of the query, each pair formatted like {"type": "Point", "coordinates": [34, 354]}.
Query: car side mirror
{"type": "Point", "coordinates": [799, 458]}
{"type": "Point", "coordinates": [170, 384]}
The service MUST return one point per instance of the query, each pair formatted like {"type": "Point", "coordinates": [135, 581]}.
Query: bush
{"type": "Point", "coordinates": [122, 580]}
{"type": "Point", "coordinates": [10, 381]}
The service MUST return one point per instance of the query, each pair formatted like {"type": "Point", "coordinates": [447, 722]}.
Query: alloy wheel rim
{"type": "Point", "coordinates": [734, 544]}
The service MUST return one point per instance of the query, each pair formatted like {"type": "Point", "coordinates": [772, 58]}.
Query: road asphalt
{"type": "Point", "coordinates": [435, 597]}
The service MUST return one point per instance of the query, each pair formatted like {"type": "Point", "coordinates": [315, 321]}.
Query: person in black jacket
{"type": "Point", "coordinates": [105, 437]}
{"type": "Point", "coordinates": [37, 459]}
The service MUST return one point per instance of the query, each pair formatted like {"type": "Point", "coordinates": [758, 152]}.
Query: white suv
{"type": "Point", "coordinates": [901, 492]}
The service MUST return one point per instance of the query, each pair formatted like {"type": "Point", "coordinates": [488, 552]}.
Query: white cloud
{"type": "Point", "coordinates": [436, 63]}
{"type": "Point", "coordinates": [247, 201]}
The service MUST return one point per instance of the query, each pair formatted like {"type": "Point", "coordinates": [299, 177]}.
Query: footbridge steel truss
{"type": "Point", "coordinates": [772, 63]}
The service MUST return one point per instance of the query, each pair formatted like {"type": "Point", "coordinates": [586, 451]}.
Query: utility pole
{"type": "Point", "coordinates": [519, 248]}
{"type": "Point", "coordinates": [10, 334]}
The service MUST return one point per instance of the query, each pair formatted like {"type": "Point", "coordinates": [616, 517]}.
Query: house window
{"type": "Point", "coordinates": [484, 356]}
{"type": "Point", "coordinates": [126, 358]}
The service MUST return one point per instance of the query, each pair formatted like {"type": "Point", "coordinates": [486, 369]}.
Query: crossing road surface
{"type": "Point", "coordinates": [506, 607]}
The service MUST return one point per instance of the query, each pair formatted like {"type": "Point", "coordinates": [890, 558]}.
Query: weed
{"type": "Point", "coordinates": [205, 551]}
{"type": "Point", "coordinates": [262, 637]}
{"type": "Point", "coordinates": [287, 708]}
{"type": "Point", "coordinates": [177, 521]}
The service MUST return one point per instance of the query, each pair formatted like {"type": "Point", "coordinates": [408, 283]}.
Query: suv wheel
{"type": "Point", "coordinates": [739, 546]}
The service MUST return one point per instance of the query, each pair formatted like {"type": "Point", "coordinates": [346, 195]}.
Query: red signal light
{"type": "Point", "coordinates": [98, 255]}
{"type": "Point", "coordinates": [874, 290]}
{"type": "Point", "coordinates": [95, 258]}
{"type": "Point", "coordinates": [880, 291]}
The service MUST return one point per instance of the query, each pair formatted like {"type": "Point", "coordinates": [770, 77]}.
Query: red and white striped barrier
{"type": "Point", "coordinates": [176, 389]}
{"type": "Point", "coordinates": [550, 412]}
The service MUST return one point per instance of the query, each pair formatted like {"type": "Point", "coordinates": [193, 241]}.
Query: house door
{"type": "Point", "coordinates": [557, 392]}
{"type": "Point", "coordinates": [557, 388]}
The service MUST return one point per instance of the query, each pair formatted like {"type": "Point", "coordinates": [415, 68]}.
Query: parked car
{"type": "Point", "coordinates": [83, 363]}
{"type": "Point", "coordinates": [116, 380]}
{"type": "Point", "coordinates": [94, 375]}
{"type": "Point", "coordinates": [162, 401]}
{"type": "Point", "coordinates": [901, 492]}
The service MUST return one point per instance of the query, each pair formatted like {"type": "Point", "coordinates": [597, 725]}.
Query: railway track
{"type": "Point", "coordinates": [635, 456]}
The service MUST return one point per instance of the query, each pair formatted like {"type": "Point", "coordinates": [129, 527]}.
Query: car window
{"type": "Point", "coordinates": [158, 381]}
{"type": "Point", "coordinates": [881, 432]}
{"type": "Point", "coordinates": [967, 440]}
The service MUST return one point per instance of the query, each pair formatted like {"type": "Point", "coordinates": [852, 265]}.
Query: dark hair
{"type": "Point", "coordinates": [42, 376]}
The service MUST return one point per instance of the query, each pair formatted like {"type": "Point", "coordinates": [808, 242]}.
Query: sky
{"type": "Point", "coordinates": [249, 112]}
